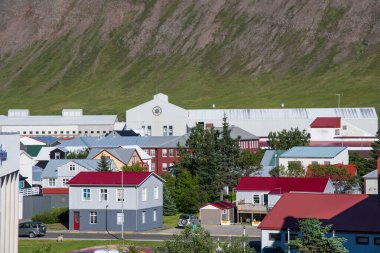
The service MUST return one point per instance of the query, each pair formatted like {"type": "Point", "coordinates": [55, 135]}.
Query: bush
{"type": "Point", "coordinates": [55, 215]}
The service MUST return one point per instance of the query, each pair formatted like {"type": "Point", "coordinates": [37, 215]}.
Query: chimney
{"type": "Point", "coordinates": [209, 125]}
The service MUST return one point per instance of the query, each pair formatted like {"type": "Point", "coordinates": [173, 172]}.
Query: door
{"type": "Point", "coordinates": [76, 221]}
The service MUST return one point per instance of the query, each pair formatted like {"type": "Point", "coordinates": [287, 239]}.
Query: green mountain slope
{"type": "Point", "coordinates": [108, 55]}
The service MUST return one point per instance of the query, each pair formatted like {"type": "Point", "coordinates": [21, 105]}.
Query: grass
{"type": "Point", "coordinates": [28, 246]}
{"type": "Point", "coordinates": [56, 226]}
{"type": "Point", "coordinates": [171, 221]}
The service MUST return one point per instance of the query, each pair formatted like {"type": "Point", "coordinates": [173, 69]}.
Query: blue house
{"type": "Point", "coordinates": [115, 201]}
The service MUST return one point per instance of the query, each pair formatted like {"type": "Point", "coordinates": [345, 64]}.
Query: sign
{"type": "Point", "coordinates": [3, 155]}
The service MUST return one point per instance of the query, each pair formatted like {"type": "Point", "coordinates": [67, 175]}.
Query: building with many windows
{"type": "Point", "coordinates": [115, 201]}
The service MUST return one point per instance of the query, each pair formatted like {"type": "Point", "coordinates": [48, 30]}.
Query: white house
{"type": "Point", "coordinates": [26, 166]}
{"type": "Point", "coordinates": [116, 201]}
{"type": "Point", "coordinates": [9, 196]}
{"type": "Point", "coordinates": [371, 180]}
{"type": "Point", "coordinates": [306, 155]}
{"type": "Point", "coordinates": [355, 217]}
{"type": "Point", "coordinates": [255, 196]}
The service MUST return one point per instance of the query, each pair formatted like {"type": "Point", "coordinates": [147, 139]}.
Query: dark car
{"type": "Point", "coordinates": [188, 220]}
{"type": "Point", "coordinates": [272, 249]}
{"type": "Point", "coordinates": [31, 229]}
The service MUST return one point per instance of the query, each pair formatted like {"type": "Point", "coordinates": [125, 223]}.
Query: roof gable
{"type": "Point", "coordinates": [326, 122]}
{"type": "Point", "coordinates": [282, 184]}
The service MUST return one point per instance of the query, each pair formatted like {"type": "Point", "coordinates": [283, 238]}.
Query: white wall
{"type": "Point", "coordinates": [26, 164]}
{"type": "Point", "coordinates": [247, 196]}
{"type": "Point", "coordinates": [371, 186]}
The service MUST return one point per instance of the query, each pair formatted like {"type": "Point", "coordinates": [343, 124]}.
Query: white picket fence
{"type": "Point", "coordinates": [30, 191]}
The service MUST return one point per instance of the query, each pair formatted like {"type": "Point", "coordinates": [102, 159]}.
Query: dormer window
{"type": "Point", "coordinates": [72, 167]}
{"type": "Point", "coordinates": [57, 155]}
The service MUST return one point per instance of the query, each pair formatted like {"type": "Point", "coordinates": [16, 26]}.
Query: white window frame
{"type": "Point", "coordinates": [118, 197]}
{"type": "Point", "coordinates": [93, 217]}
{"type": "Point", "coordinates": [153, 167]}
{"type": "Point", "coordinates": [170, 131]}
{"type": "Point", "coordinates": [72, 167]}
{"type": "Point", "coordinates": [83, 194]}
{"type": "Point", "coordinates": [103, 194]}
{"type": "Point", "coordinates": [57, 155]}
{"type": "Point", "coordinates": [64, 181]}
{"type": "Point", "coordinates": [144, 194]}
{"type": "Point", "coordinates": [143, 217]}
{"type": "Point", "coordinates": [253, 198]}
{"type": "Point", "coordinates": [165, 131]}
{"type": "Point", "coordinates": [52, 182]}
{"type": "Point", "coordinates": [119, 218]}
{"type": "Point", "coordinates": [154, 215]}
{"type": "Point", "coordinates": [156, 191]}
{"type": "Point", "coordinates": [171, 152]}
{"type": "Point", "coordinates": [164, 152]}
{"type": "Point", "coordinates": [153, 153]}
{"type": "Point", "coordinates": [164, 166]}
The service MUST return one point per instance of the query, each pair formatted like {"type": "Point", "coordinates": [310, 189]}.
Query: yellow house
{"type": "Point", "coordinates": [119, 156]}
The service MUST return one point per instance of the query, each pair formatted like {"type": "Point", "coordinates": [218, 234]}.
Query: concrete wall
{"type": "Point", "coordinates": [33, 205]}
{"type": "Point", "coordinates": [107, 219]}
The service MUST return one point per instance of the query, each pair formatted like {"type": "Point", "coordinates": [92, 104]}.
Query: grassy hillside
{"type": "Point", "coordinates": [225, 54]}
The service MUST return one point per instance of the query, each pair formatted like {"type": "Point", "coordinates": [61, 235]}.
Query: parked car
{"type": "Point", "coordinates": [188, 220]}
{"type": "Point", "coordinates": [272, 249]}
{"type": "Point", "coordinates": [31, 229]}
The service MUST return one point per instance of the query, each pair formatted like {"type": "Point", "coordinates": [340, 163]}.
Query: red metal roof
{"type": "Point", "coordinates": [221, 205]}
{"type": "Point", "coordinates": [350, 168]}
{"type": "Point", "coordinates": [326, 122]}
{"type": "Point", "coordinates": [109, 178]}
{"type": "Point", "coordinates": [283, 184]}
{"type": "Point", "coordinates": [347, 212]}
{"type": "Point", "coordinates": [55, 190]}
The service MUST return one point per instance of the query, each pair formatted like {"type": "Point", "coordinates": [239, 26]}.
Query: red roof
{"type": "Point", "coordinates": [351, 169]}
{"type": "Point", "coordinates": [109, 178]}
{"type": "Point", "coordinates": [283, 184]}
{"type": "Point", "coordinates": [346, 212]}
{"type": "Point", "coordinates": [326, 122]}
{"type": "Point", "coordinates": [55, 190]}
{"type": "Point", "coordinates": [221, 205]}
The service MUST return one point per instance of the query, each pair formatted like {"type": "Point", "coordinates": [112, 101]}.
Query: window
{"type": "Point", "coordinates": [156, 192]}
{"type": "Point", "coordinates": [201, 124]}
{"type": "Point", "coordinates": [119, 218]}
{"type": "Point", "coordinates": [164, 166]}
{"type": "Point", "coordinates": [344, 127]}
{"type": "Point", "coordinates": [103, 195]}
{"type": "Point", "coordinates": [153, 153]}
{"type": "Point", "coordinates": [61, 132]}
{"type": "Point", "coordinates": [275, 237]}
{"type": "Point", "coordinates": [24, 132]}
{"type": "Point", "coordinates": [362, 240]}
{"type": "Point", "coordinates": [79, 132]}
{"type": "Point", "coordinates": [171, 152]}
{"type": "Point", "coordinates": [154, 215]}
{"type": "Point", "coordinates": [170, 133]}
{"type": "Point", "coordinates": [314, 163]}
{"type": "Point", "coordinates": [43, 132]}
{"type": "Point", "coordinates": [143, 216]}
{"type": "Point", "coordinates": [165, 131]}
{"type": "Point", "coordinates": [164, 152]}
{"type": "Point", "coordinates": [57, 155]}
{"type": "Point", "coordinates": [86, 194]}
{"type": "Point", "coordinates": [64, 181]}
{"type": "Point", "coordinates": [337, 132]}
{"type": "Point", "coordinates": [256, 199]}
{"type": "Point", "coordinates": [93, 218]}
{"type": "Point", "coordinates": [37, 132]}
{"type": "Point", "coordinates": [98, 132]}
{"type": "Point", "coordinates": [104, 132]}
{"type": "Point", "coordinates": [51, 182]}
{"type": "Point", "coordinates": [149, 130]}
{"type": "Point", "coordinates": [119, 195]}
{"type": "Point", "coordinates": [86, 132]}
{"type": "Point", "coordinates": [67, 132]}
{"type": "Point", "coordinates": [153, 167]}
{"type": "Point", "coordinates": [72, 167]}
{"type": "Point", "coordinates": [143, 194]}
{"type": "Point", "coordinates": [326, 162]}
{"type": "Point", "coordinates": [30, 132]}
{"type": "Point", "coordinates": [74, 132]}
{"type": "Point", "coordinates": [55, 132]}
{"type": "Point", "coordinates": [376, 240]}
{"type": "Point", "coordinates": [134, 159]}
{"type": "Point", "coordinates": [49, 132]}
{"type": "Point", "coordinates": [92, 132]}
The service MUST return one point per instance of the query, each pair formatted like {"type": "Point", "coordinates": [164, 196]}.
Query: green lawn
{"type": "Point", "coordinates": [171, 221]}
{"type": "Point", "coordinates": [36, 245]}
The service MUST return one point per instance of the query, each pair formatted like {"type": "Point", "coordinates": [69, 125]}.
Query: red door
{"type": "Point", "coordinates": [76, 221]}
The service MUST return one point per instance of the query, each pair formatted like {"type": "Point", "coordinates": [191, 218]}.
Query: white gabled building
{"type": "Point", "coordinates": [9, 196]}
{"type": "Point", "coordinates": [71, 123]}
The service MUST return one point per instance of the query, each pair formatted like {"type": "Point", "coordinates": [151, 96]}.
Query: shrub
{"type": "Point", "coordinates": [55, 215]}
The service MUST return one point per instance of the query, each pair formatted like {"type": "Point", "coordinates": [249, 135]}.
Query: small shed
{"type": "Point", "coordinates": [217, 213]}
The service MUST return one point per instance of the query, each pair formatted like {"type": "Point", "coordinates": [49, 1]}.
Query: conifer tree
{"type": "Point", "coordinates": [103, 164]}
{"type": "Point", "coordinates": [169, 205]}
{"type": "Point", "coordinates": [375, 152]}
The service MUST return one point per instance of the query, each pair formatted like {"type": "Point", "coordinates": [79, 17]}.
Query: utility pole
{"type": "Point", "coordinates": [339, 95]}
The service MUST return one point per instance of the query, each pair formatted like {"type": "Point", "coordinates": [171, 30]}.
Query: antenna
{"type": "Point", "coordinates": [339, 95]}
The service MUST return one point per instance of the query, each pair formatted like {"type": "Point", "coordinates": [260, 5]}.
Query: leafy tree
{"type": "Point", "coordinates": [104, 164]}
{"type": "Point", "coordinates": [250, 162]}
{"type": "Point", "coordinates": [314, 238]}
{"type": "Point", "coordinates": [133, 168]}
{"type": "Point", "coordinates": [295, 169]}
{"type": "Point", "coordinates": [375, 152]}
{"type": "Point", "coordinates": [236, 245]}
{"type": "Point", "coordinates": [169, 207]}
{"type": "Point", "coordinates": [287, 139]}
{"type": "Point", "coordinates": [275, 171]}
{"type": "Point", "coordinates": [81, 154]}
{"type": "Point", "coordinates": [363, 166]}
{"type": "Point", "coordinates": [189, 241]}
{"type": "Point", "coordinates": [342, 180]}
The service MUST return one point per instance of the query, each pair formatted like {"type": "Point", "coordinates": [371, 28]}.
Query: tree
{"type": "Point", "coordinates": [236, 245]}
{"type": "Point", "coordinates": [363, 166]}
{"type": "Point", "coordinates": [342, 180]}
{"type": "Point", "coordinates": [375, 152]}
{"type": "Point", "coordinates": [250, 162]}
{"type": "Point", "coordinates": [314, 238]}
{"type": "Point", "coordinates": [169, 207]}
{"type": "Point", "coordinates": [275, 171]}
{"type": "Point", "coordinates": [81, 154]}
{"type": "Point", "coordinates": [104, 164]}
{"type": "Point", "coordinates": [189, 241]}
{"type": "Point", "coordinates": [295, 169]}
{"type": "Point", "coordinates": [287, 139]}
{"type": "Point", "coordinates": [133, 168]}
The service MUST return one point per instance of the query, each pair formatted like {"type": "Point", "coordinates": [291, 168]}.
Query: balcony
{"type": "Point", "coordinates": [251, 208]}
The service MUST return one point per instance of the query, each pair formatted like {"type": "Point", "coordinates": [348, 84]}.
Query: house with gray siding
{"type": "Point", "coordinates": [112, 201]}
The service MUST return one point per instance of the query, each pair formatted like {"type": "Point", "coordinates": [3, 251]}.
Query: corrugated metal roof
{"type": "Point", "coordinates": [238, 132]}
{"type": "Point", "coordinates": [124, 155]}
{"type": "Point", "coordinates": [372, 174]}
{"type": "Point", "coordinates": [312, 152]}
{"type": "Point", "coordinates": [50, 170]}
{"type": "Point", "coordinates": [58, 120]}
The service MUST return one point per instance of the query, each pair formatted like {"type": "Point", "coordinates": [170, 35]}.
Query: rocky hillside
{"type": "Point", "coordinates": [108, 55]}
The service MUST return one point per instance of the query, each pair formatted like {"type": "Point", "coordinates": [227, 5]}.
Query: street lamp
{"type": "Point", "coordinates": [122, 205]}
{"type": "Point", "coordinates": [244, 239]}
